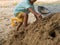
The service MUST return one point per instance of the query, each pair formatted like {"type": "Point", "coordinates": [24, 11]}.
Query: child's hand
{"type": "Point", "coordinates": [39, 16]}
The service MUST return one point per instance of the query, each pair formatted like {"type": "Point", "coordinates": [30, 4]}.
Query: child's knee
{"type": "Point", "coordinates": [25, 15]}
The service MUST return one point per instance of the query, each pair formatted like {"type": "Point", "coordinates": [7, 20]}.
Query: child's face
{"type": "Point", "coordinates": [32, 1]}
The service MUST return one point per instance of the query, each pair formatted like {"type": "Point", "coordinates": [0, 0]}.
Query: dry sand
{"type": "Point", "coordinates": [42, 32]}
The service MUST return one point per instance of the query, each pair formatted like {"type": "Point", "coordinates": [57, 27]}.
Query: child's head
{"type": "Point", "coordinates": [32, 1]}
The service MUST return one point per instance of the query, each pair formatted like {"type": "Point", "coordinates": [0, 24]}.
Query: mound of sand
{"type": "Point", "coordinates": [42, 32]}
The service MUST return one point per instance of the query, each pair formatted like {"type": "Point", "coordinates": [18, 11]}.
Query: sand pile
{"type": "Point", "coordinates": [42, 32]}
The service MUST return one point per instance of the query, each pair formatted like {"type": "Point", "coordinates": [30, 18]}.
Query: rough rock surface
{"type": "Point", "coordinates": [42, 32]}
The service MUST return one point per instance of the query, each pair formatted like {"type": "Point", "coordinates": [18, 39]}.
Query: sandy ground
{"type": "Point", "coordinates": [41, 32]}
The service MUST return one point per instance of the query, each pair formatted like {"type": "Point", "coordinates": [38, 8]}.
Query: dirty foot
{"type": "Point", "coordinates": [26, 28]}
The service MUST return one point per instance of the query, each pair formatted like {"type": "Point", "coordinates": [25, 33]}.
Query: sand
{"type": "Point", "coordinates": [43, 32]}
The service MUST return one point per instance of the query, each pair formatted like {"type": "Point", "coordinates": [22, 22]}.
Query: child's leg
{"type": "Point", "coordinates": [24, 17]}
{"type": "Point", "coordinates": [21, 17]}
{"type": "Point", "coordinates": [25, 20]}
{"type": "Point", "coordinates": [19, 26]}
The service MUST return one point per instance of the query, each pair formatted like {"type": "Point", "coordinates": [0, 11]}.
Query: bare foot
{"type": "Point", "coordinates": [26, 27]}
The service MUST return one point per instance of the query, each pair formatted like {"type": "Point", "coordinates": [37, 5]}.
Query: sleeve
{"type": "Point", "coordinates": [27, 5]}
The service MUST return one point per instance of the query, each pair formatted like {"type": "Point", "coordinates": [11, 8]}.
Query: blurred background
{"type": "Point", "coordinates": [9, 2]}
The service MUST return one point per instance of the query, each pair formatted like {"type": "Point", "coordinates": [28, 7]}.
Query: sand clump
{"type": "Point", "coordinates": [42, 32]}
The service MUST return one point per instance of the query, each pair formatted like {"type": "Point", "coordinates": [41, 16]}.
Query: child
{"type": "Point", "coordinates": [21, 13]}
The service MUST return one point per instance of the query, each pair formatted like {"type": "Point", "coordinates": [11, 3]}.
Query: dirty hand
{"type": "Point", "coordinates": [39, 16]}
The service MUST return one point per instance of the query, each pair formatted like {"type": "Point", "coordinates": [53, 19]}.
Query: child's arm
{"type": "Point", "coordinates": [35, 13]}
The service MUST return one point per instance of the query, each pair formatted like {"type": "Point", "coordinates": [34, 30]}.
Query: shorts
{"type": "Point", "coordinates": [17, 18]}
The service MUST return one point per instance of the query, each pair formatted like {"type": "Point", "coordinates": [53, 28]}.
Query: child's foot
{"type": "Point", "coordinates": [26, 28]}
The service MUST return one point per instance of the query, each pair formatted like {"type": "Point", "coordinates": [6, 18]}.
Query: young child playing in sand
{"type": "Point", "coordinates": [21, 13]}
